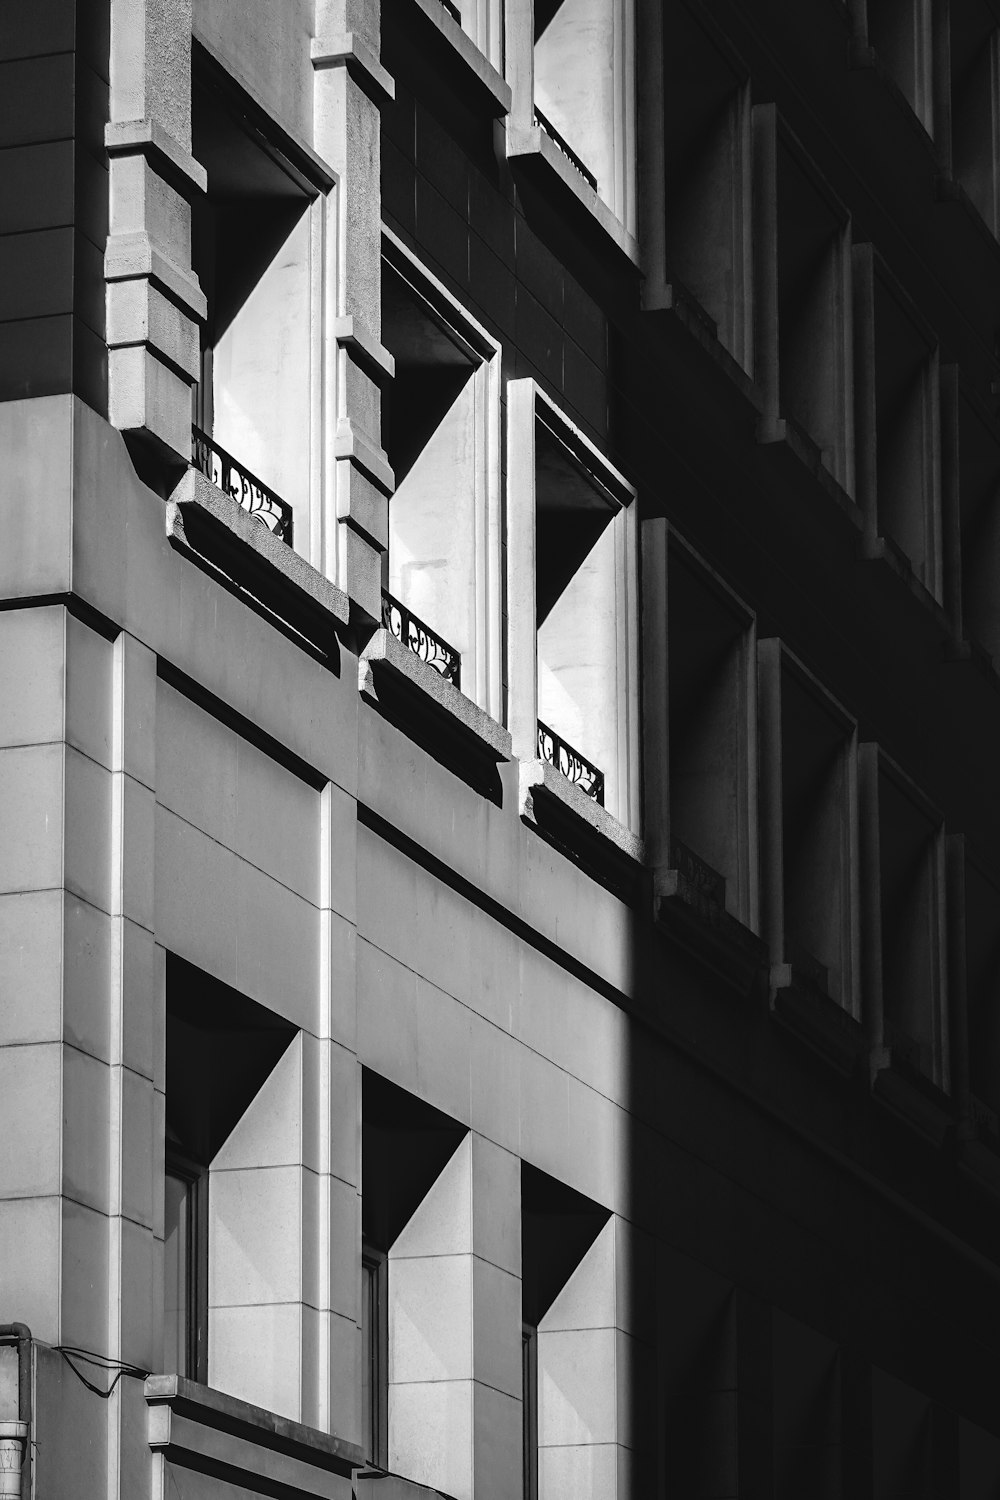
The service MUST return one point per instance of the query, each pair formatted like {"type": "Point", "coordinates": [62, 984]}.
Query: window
{"type": "Point", "coordinates": [808, 750]}
{"type": "Point", "coordinates": [813, 270]}
{"type": "Point", "coordinates": [982, 990]}
{"type": "Point", "coordinates": [529, 1410]}
{"type": "Point", "coordinates": [185, 1267]}
{"type": "Point", "coordinates": [439, 427]}
{"type": "Point", "coordinates": [979, 507]}
{"type": "Point", "coordinates": [901, 33]}
{"type": "Point", "coordinates": [711, 762]}
{"type": "Point", "coordinates": [975, 106]}
{"type": "Point", "coordinates": [898, 422]}
{"type": "Point", "coordinates": [375, 1355]}
{"type": "Point", "coordinates": [706, 102]}
{"type": "Point", "coordinates": [906, 914]}
{"type": "Point", "coordinates": [572, 69]}
{"type": "Point", "coordinates": [257, 249]}
{"type": "Point", "coordinates": [573, 590]}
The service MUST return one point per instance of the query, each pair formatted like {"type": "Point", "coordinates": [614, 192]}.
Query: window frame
{"type": "Point", "coordinates": [375, 1354]}
{"type": "Point", "coordinates": [183, 1168]}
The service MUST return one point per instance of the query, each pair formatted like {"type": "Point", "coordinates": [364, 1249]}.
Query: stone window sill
{"type": "Point", "coordinates": [196, 1427]}
{"type": "Point", "coordinates": [816, 1018]}
{"type": "Point", "coordinates": [431, 710]}
{"type": "Point", "coordinates": [898, 1086]}
{"type": "Point", "coordinates": [705, 928]}
{"type": "Point", "coordinates": [536, 148]}
{"type": "Point", "coordinates": [218, 534]}
{"type": "Point", "coordinates": [480, 76]}
{"type": "Point", "coordinates": [577, 825]}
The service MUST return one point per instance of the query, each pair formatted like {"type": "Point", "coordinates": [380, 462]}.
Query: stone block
{"type": "Point", "coordinates": [254, 1353]}
{"type": "Point", "coordinates": [255, 1237]}
{"type": "Point", "coordinates": [430, 1330]}
{"type": "Point", "coordinates": [430, 1434]}
{"type": "Point", "coordinates": [32, 675]}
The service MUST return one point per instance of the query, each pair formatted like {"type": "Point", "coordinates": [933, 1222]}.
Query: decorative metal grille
{"type": "Point", "coordinates": [706, 881]}
{"type": "Point", "coordinates": [574, 766]}
{"type": "Point", "coordinates": [567, 150]}
{"type": "Point", "coordinates": [421, 639]}
{"type": "Point", "coordinates": [245, 488]}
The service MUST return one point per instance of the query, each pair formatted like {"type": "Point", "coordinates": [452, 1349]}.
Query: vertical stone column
{"type": "Point", "coordinates": [350, 86]}
{"type": "Point", "coordinates": [331, 1108]}
{"type": "Point", "coordinates": [595, 1377]}
{"type": "Point", "coordinates": [135, 1106]}
{"type": "Point", "coordinates": [455, 1330]}
{"type": "Point", "coordinates": [656, 697]}
{"type": "Point", "coordinates": [154, 302]}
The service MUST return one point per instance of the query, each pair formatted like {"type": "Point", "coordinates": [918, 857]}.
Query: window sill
{"type": "Point", "coordinates": [816, 1019]}
{"type": "Point", "coordinates": [424, 705]}
{"type": "Point", "coordinates": [790, 441]}
{"type": "Point", "coordinates": [481, 76]}
{"type": "Point", "coordinates": [374, 1485]}
{"type": "Point", "coordinates": [886, 553]}
{"type": "Point", "coordinates": [577, 825]}
{"type": "Point", "coordinates": [215, 532]}
{"type": "Point", "coordinates": [199, 1428]}
{"type": "Point", "coordinates": [699, 923]}
{"type": "Point", "coordinates": [918, 1101]}
{"type": "Point", "coordinates": [536, 149]}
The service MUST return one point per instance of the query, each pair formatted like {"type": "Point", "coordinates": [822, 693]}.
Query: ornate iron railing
{"type": "Point", "coordinates": [245, 488]}
{"type": "Point", "coordinates": [574, 766]}
{"type": "Point", "coordinates": [698, 874]}
{"type": "Point", "coordinates": [421, 639]}
{"type": "Point", "coordinates": [561, 143]}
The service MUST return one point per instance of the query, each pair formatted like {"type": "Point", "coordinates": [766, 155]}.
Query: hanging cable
{"type": "Point", "coordinates": [101, 1362]}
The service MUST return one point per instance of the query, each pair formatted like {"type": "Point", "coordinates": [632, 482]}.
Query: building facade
{"type": "Point", "coordinates": [499, 905]}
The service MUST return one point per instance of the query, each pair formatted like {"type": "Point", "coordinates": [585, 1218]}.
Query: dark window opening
{"type": "Point", "coordinates": [907, 480]}
{"type": "Point", "coordinates": [979, 492]}
{"type": "Point", "coordinates": [220, 1049]}
{"type": "Point", "coordinates": [911, 938]}
{"type": "Point", "coordinates": [975, 105]}
{"type": "Point", "coordinates": [375, 1355]}
{"type": "Point", "coordinates": [982, 979]}
{"type": "Point", "coordinates": [707, 650]}
{"type": "Point", "coordinates": [816, 822]}
{"type": "Point", "coordinates": [811, 312]}
{"type": "Point", "coordinates": [900, 32]}
{"type": "Point", "coordinates": [706, 104]}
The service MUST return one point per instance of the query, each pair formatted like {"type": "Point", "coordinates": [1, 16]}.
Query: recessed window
{"type": "Point", "coordinates": [982, 988]}
{"type": "Point", "coordinates": [185, 1267]}
{"type": "Point", "coordinates": [907, 435]}
{"type": "Point", "coordinates": [910, 917]}
{"type": "Point", "coordinates": [815, 920]}
{"type": "Point", "coordinates": [573, 574]}
{"type": "Point", "coordinates": [901, 33]}
{"type": "Point", "coordinates": [979, 497]}
{"type": "Point", "coordinates": [975, 106]}
{"type": "Point", "coordinates": [375, 1355]}
{"type": "Point", "coordinates": [813, 310]}
{"type": "Point", "coordinates": [711, 770]}
{"type": "Point", "coordinates": [583, 92]}
{"type": "Point", "coordinates": [253, 249]}
{"type": "Point", "coordinates": [707, 190]}
{"type": "Point", "coordinates": [439, 419]}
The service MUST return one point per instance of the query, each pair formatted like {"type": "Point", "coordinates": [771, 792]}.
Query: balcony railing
{"type": "Point", "coordinates": [699, 875]}
{"type": "Point", "coordinates": [245, 488]}
{"type": "Point", "coordinates": [574, 766]}
{"type": "Point", "coordinates": [421, 639]}
{"type": "Point", "coordinates": [563, 145]}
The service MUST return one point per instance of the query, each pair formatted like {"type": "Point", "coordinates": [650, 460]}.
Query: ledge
{"type": "Point", "coordinates": [883, 551]}
{"type": "Point", "coordinates": [560, 179]}
{"type": "Point", "coordinates": [372, 1485]}
{"type": "Point", "coordinates": [697, 922]}
{"type": "Point", "coordinates": [130, 257]}
{"type": "Point", "coordinates": [786, 437]}
{"type": "Point", "coordinates": [816, 1019]}
{"type": "Point", "coordinates": [365, 350]}
{"type": "Point", "coordinates": [166, 155]}
{"type": "Point", "coordinates": [200, 1428]}
{"type": "Point", "coordinates": [211, 528]}
{"type": "Point", "coordinates": [578, 826]}
{"type": "Point", "coordinates": [431, 710]}
{"type": "Point", "coordinates": [672, 299]}
{"type": "Point", "coordinates": [898, 1086]}
{"type": "Point", "coordinates": [346, 50]}
{"type": "Point", "coordinates": [481, 77]}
